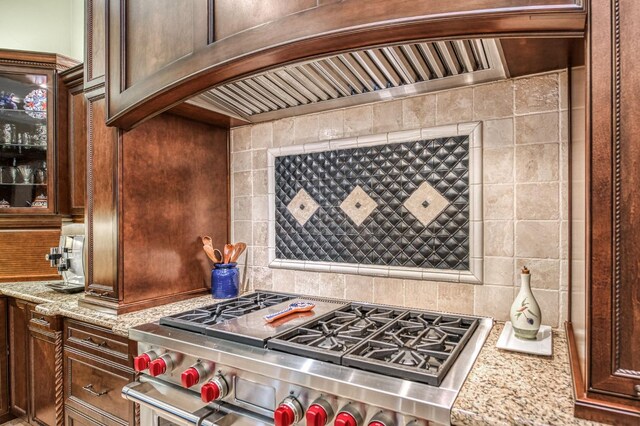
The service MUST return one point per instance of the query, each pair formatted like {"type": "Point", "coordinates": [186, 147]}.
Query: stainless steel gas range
{"type": "Point", "coordinates": [344, 363]}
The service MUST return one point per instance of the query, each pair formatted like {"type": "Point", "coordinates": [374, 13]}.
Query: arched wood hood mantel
{"type": "Point", "coordinates": [161, 53]}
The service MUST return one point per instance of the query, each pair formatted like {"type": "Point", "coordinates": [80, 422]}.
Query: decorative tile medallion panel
{"type": "Point", "coordinates": [403, 205]}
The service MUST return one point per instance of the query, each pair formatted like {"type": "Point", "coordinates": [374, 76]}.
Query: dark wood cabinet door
{"type": "Point", "coordinates": [102, 207]}
{"type": "Point", "coordinates": [4, 361]}
{"type": "Point", "coordinates": [615, 201]}
{"type": "Point", "coordinates": [45, 377]}
{"type": "Point", "coordinates": [18, 357]}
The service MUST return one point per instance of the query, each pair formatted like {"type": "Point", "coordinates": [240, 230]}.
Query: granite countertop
{"type": "Point", "coordinates": [509, 388]}
{"type": "Point", "coordinates": [54, 303]}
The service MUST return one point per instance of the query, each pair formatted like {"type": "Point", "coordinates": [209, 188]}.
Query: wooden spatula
{"type": "Point", "coordinates": [238, 249]}
{"type": "Point", "coordinates": [227, 252]}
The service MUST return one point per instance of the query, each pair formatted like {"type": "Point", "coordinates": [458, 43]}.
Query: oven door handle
{"type": "Point", "coordinates": [171, 402]}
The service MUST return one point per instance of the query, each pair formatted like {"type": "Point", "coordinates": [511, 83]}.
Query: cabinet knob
{"type": "Point", "coordinates": [637, 389]}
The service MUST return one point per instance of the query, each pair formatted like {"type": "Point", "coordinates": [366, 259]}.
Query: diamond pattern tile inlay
{"type": "Point", "coordinates": [302, 207]}
{"type": "Point", "coordinates": [425, 233]}
{"type": "Point", "coordinates": [358, 205]}
{"type": "Point", "coordinates": [426, 203]}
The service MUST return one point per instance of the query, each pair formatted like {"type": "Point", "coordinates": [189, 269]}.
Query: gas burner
{"type": "Point", "coordinates": [197, 320]}
{"type": "Point", "coordinates": [420, 346]}
{"type": "Point", "coordinates": [331, 336]}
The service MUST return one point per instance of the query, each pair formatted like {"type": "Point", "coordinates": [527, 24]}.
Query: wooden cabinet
{"type": "Point", "coordinates": [4, 361]}
{"type": "Point", "coordinates": [97, 365]}
{"type": "Point", "coordinates": [35, 364]}
{"type": "Point", "coordinates": [605, 335]}
{"type": "Point", "coordinates": [18, 357]}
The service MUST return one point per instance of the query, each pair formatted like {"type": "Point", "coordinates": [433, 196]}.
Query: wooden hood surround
{"type": "Point", "coordinates": [192, 45]}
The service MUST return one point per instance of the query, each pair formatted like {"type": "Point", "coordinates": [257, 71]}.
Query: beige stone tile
{"type": "Point", "coordinates": [332, 285]}
{"type": "Point", "coordinates": [549, 306]}
{"type": "Point", "coordinates": [359, 288]}
{"type": "Point", "coordinates": [260, 236]}
{"type": "Point", "coordinates": [493, 100]}
{"type": "Point", "coordinates": [421, 294]}
{"type": "Point", "coordinates": [497, 165]}
{"type": "Point", "coordinates": [498, 202]}
{"type": "Point", "coordinates": [563, 308]}
{"type": "Point", "coordinates": [242, 208]}
{"type": "Point", "coordinates": [537, 163]}
{"type": "Point", "coordinates": [358, 121]}
{"type": "Point", "coordinates": [387, 116]}
{"type": "Point", "coordinates": [456, 298]}
{"type": "Point", "coordinates": [242, 184]}
{"type": "Point", "coordinates": [262, 136]}
{"type": "Point", "coordinates": [537, 239]}
{"type": "Point", "coordinates": [537, 128]}
{"type": "Point", "coordinates": [563, 81]}
{"type": "Point", "coordinates": [242, 231]}
{"type": "Point", "coordinates": [241, 161]}
{"type": "Point", "coordinates": [493, 301]}
{"type": "Point", "coordinates": [419, 111]}
{"type": "Point", "coordinates": [305, 129]}
{"type": "Point", "coordinates": [497, 133]}
{"type": "Point", "coordinates": [538, 201]}
{"type": "Point", "coordinates": [564, 126]}
{"type": "Point", "coordinates": [307, 283]}
{"type": "Point", "coordinates": [545, 273]}
{"type": "Point", "coordinates": [262, 278]}
{"type": "Point", "coordinates": [260, 182]}
{"type": "Point", "coordinates": [331, 125]}
{"type": "Point", "coordinates": [388, 291]}
{"type": "Point", "coordinates": [454, 106]}
{"type": "Point", "coordinates": [260, 207]}
{"type": "Point", "coordinates": [259, 159]}
{"type": "Point", "coordinates": [283, 132]}
{"type": "Point", "coordinates": [241, 139]}
{"type": "Point", "coordinates": [536, 94]}
{"type": "Point", "coordinates": [499, 271]}
{"type": "Point", "coordinates": [284, 280]}
{"type": "Point", "coordinates": [245, 278]}
{"type": "Point", "coordinates": [260, 256]}
{"type": "Point", "coordinates": [498, 238]}
{"type": "Point", "coordinates": [564, 275]}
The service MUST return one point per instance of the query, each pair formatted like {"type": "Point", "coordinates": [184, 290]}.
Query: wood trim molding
{"type": "Point", "coordinates": [588, 407]}
{"type": "Point", "coordinates": [318, 34]}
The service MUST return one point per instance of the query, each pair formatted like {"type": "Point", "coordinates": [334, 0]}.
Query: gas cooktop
{"type": "Point", "coordinates": [339, 363]}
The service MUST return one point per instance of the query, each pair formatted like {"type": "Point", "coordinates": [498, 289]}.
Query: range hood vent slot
{"type": "Point", "coordinates": [357, 77]}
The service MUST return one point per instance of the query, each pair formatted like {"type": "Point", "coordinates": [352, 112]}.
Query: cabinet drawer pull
{"type": "Point", "coordinates": [89, 388]}
{"type": "Point", "coordinates": [102, 344]}
{"type": "Point", "coordinates": [637, 389]}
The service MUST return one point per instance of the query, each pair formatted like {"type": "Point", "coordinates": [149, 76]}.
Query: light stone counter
{"type": "Point", "coordinates": [54, 303]}
{"type": "Point", "coordinates": [509, 388]}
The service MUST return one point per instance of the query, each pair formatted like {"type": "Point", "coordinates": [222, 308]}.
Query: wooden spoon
{"type": "Point", "coordinates": [213, 254]}
{"type": "Point", "coordinates": [226, 252]}
{"type": "Point", "coordinates": [238, 249]}
{"type": "Point", "coordinates": [207, 241]}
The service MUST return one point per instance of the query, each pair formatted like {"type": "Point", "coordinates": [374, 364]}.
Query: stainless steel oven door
{"type": "Point", "coordinates": [164, 404]}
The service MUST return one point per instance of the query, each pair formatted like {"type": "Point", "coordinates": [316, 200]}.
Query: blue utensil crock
{"type": "Point", "coordinates": [224, 281]}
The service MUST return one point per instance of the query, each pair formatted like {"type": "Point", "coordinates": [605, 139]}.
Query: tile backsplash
{"type": "Point", "coordinates": [524, 173]}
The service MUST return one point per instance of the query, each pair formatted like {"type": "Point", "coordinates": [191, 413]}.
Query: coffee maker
{"type": "Point", "coordinates": [68, 258]}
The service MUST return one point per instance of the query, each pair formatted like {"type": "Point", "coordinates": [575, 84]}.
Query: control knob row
{"type": "Point", "coordinates": [290, 412]}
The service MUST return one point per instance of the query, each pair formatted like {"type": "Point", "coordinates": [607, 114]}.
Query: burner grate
{"type": "Point", "coordinates": [420, 346]}
{"type": "Point", "coordinates": [329, 337]}
{"type": "Point", "coordinates": [197, 320]}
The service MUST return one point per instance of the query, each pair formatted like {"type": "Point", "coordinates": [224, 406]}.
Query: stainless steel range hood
{"type": "Point", "coordinates": [356, 78]}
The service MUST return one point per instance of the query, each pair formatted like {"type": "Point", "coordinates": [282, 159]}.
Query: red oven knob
{"type": "Point", "coordinates": [319, 413]}
{"type": "Point", "coordinates": [161, 365]}
{"type": "Point", "coordinates": [316, 416]}
{"type": "Point", "coordinates": [141, 362]}
{"type": "Point", "coordinates": [214, 390]}
{"type": "Point", "coordinates": [345, 419]}
{"type": "Point", "coordinates": [382, 419]}
{"type": "Point", "coordinates": [288, 412]}
{"type": "Point", "coordinates": [190, 377]}
{"type": "Point", "coordinates": [376, 424]}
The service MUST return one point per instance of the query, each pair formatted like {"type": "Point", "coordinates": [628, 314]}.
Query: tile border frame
{"type": "Point", "coordinates": [474, 275]}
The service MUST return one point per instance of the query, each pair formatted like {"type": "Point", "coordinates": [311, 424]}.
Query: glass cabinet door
{"type": "Point", "coordinates": [26, 103]}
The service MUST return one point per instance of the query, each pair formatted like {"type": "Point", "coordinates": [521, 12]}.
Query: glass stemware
{"type": "Point", "coordinates": [27, 173]}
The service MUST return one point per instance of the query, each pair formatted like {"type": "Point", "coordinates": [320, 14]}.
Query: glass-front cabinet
{"type": "Point", "coordinates": [27, 154]}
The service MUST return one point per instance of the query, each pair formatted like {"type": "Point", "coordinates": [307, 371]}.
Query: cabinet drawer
{"type": "Point", "coordinates": [97, 341]}
{"type": "Point", "coordinates": [43, 322]}
{"type": "Point", "coordinates": [74, 418]}
{"type": "Point", "coordinates": [93, 387]}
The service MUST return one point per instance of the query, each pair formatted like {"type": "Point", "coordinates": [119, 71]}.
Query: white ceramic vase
{"type": "Point", "coordinates": [525, 312]}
